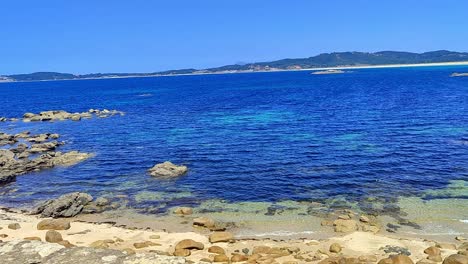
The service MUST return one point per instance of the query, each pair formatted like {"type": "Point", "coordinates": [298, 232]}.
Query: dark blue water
{"type": "Point", "coordinates": [374, 133]}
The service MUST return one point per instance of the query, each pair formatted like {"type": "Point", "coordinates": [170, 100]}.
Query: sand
{"type": "Point", "coordinates": [84, 234]}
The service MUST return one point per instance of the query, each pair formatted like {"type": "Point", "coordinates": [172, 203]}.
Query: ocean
{"type": "Point", "coordinates": [356, 139]}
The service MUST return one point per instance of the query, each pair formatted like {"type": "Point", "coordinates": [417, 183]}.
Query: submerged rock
{"type": "Point", "coordinates": [67, 205]}
{"type": "Point", "coordinates": [167, 170]}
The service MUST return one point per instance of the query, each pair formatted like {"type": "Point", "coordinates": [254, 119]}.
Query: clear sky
{"type": "Point", "coordinates": [88, 36]}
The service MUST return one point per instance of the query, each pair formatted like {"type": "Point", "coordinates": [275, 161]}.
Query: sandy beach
{"type": "Point", "coordinates": [363, 245]}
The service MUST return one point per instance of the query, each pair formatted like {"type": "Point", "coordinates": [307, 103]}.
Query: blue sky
{"type": "Point", "coordinates": [142, 36]}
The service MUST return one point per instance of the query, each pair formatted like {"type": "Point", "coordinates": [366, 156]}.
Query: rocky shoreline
{"type": "Point", "coordinates": [61, 240]}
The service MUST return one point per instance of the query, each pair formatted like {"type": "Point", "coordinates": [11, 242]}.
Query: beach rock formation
{"type": "Point", "coordinates": [67, 205]}
{"type": "Point", "coordinates": [167, 170]}
{"type": "Point", "coordinates": [60, 115]}
{"type": "Point", "coordinates": [21, 252]}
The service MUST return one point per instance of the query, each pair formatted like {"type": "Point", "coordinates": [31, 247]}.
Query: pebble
{"type": "Point", "coordinates": [335, 248]}
{"type": "Point", "coordinates": [221, 237]}
{"type": "Point", "coordinates": [14, 226]}
{"type": "Point", "coordinates": [216, 250]}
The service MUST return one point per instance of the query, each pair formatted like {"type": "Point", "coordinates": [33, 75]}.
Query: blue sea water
{"type": "Point", "coordinates": [366, 134]}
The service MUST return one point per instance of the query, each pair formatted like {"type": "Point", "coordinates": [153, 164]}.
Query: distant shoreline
{"type": "Point", "coordinates": [343, 67]}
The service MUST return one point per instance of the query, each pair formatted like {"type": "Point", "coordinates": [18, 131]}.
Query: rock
{"type": "Point", "coordinates": [446, 246]}
{"type": "Point", "coordinates": [182, 252]}
{"type": "Point", "coordinates": [14, 226]}
{"type": "Point", "coordinates": [396, 259]}
{"type": "Point", "coordinates": [204, 222]}
{"type": "Point", "coordinates": [53, 236]}
{"type": "Point", "coordinates": [221, 258]}
{"type": "Point", "coordinates": [436, 258]}
{"type": "Point", "coordinates": [33, 238]}
{"type": "Point", "coordinates": [364, 219]}
{"type": "Point", "coordinates": [53, 224]}
{"type": "Point", "coordinates": [167, 170]}
{"type": "Point", "coordinates": [154, 237]}
{"type": "Point", "coordinates": [344, 217]}
{"type": "Point", "coordinates": [345, 226]}
{"type": "Point", "coordinates": [335, 248]}
{"type": "Point", "coordinates": [139, 245]}
{"type": "Point", "coordinates": [28, 252]}
{"type": "Point", "coordinates": [101, 201]}
{"type": "Point", "coordinates": [100, 244]}
{"type": "Point", "coordinates": [70, 158]}
{"type": "Point", "coordinates": [189, 244]}
{"type": "Point", "coordinates": [221, 237]}
{"type": "Point", "coordinates": [460, 238]}
{"type": "Point", "coordinates": [183, 211]}
{"type": "Point", "coordinates": [456, 259]}
{"type": "Point", "coordinates": [432, 251]}
{"type": "Point", "coordinates": [239, 258]}
{"type": "Point", "coordinates": [67, 205]}
{"type": "Point", "coordinates": [3, 235]}
{"type": "Point", "coordinates": [216, 250]}
{"type": "Point", "coordinates": [128, 251]}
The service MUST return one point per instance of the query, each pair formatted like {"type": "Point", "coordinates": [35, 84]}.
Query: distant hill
{"type": "Point", "coordinates": [324, 60]}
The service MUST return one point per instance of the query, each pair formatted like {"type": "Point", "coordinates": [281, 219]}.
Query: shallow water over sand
{"type": "Point", "coordinates": [365, 140]}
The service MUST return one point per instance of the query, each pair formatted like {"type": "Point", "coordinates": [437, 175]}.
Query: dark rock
{"type": "Point", "coordinates": [67, 205]}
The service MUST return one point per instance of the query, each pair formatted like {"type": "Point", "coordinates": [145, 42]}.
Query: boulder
{"type": "Point", "coordinates": [345, 226]}
{"type": "Point", "coordinates": [53, 224]}
{"type": "Point", "coordinates": [67, 205]}
{"type": "Point", "coordinates": [221, 237]}
{"type": "Point", "coordinates": [335, 248]}
{"type": "Point", "coordinates": [456, 259]}
{"type": "Point", "coordinates": [167, 170]}
{"type": "Point", "coordinates": [204, 222]}
{"type": "Point", "coordinates": [53, 236]}
{"type": "Point", "coordinates": [189, 244]}
{"type": "Point", "coordinates": [216, 250]}
{"type": "Point", "coordinates": [14, 226]}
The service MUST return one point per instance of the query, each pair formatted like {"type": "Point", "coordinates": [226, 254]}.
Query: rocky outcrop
{"type": "Point", "coordinates": [167, 170]}
{"type": "Point", "coordinates": [16, 160]}
{"type": "Point", "coordinates": [67, 205]}
{"type": "Point", "coordinates": [60, 115]}
{"type": "Point", "coordinates": [21, 252]}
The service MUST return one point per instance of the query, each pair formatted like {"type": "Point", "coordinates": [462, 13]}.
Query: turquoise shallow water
{"type": "Point", "coordinates": [364, 136]}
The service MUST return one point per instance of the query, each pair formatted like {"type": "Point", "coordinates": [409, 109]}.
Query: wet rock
{"type": "Point", "coordinates": [456, 259]}
{"type": "Point", "coordinates": [53, 224]}
{"type": "Point", "coordinates": [204, 222]}
{"type": "Point", "coordinates": [67, 205]}
{"type": "Point", "coordinates": [70, 158]}
{"type": "Point", "coordinates": [345, 226]}
{"type": "Point", "coordinates": [189, 244]}
{"type": "Point", "coordinates": [221, 237]}
{"type": "Point", "coordinates": [167, 170]}
{"type": "Point", "coordinates": [216, 250]}
{"type": "Point", "coordinates": [14, 226]}
{"type": "Point", "coordinates": [183, 211]}
{"type": "Point", "coordinates": [53, 236]}
{"type": "Point", "coordinates": [335, 248]}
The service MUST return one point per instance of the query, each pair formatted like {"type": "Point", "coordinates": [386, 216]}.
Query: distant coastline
{"type": "Point", "coordinates": [326, 61]}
